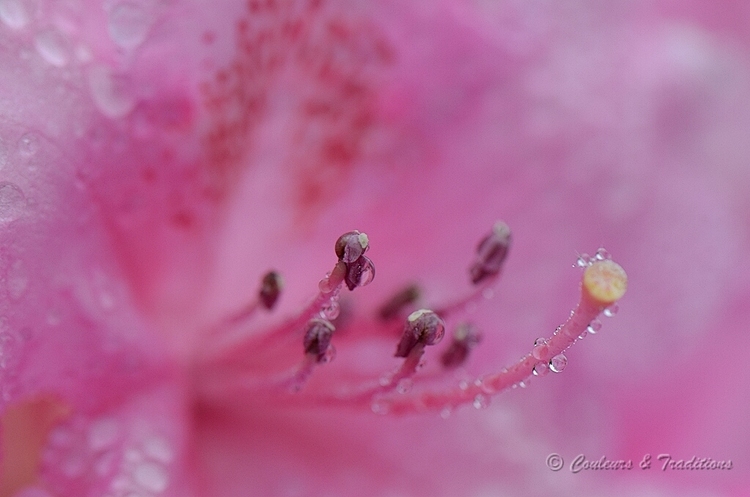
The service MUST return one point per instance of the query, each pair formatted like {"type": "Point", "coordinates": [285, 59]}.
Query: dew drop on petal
{"type": "Point", "coordinates": [14, 13]}
{"type": "Point", "coordinates": [379, 407]}
{"type": "Point", "coordinates": [151, 476]}
{"type": "Point", "coordinates": [33, 492]}
{"type": "Point", "coordinates": [12, 202]}
{"type": "Point", "coordinates": [53, 46]}
{"type": "Point", "coordinates": [557, 364]}
{"type": "Point", "coordinates": [110, 92]}
{"type": "Point", "coordinates": [129, 24]}
{"type": "Point", "coordinates": [446, 412]}
{"type": "Point", "coordinates": [17, 280]}
{"type": "Point", "coordinates": [481, 402]}
{"type": "Point", "coordinates": [611, 310]}
{"type": "Point", "coordinates": [583, 335]}
{"type": "Point", "coordinates": [158, 449]}
{"type": "Point", "coordinates": [102, 434]}
{"type": "Point", "coordinates": [28, 144]}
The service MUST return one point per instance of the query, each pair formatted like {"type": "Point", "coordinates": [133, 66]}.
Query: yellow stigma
{"type": "Point", "coordinates": [605, 282]}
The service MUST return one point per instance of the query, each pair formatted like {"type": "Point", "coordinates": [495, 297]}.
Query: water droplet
{"type": "Point", "coordinates": [540, 369]}
{"type": "Point", "coordinates": [151, 477]}
{"type": "Point", "coordinates": [540, 350]}
{"type": "Point", "coordinates": [330, 310]}
{"type": "Point", "coordinates": [129, 24]}
{"type": "Point", "coordinates": [158, 448]}
{"type": "Point", "coordinates": [463, 385]}
{"type": "Point", "coordinates": [583, 261]}
{"type": "Point", "coordinates": [53, 317]}
{"type": "Point", "coordinates": [557, 364]}
{"type": "Point", "coordinates": [594, 327]}
{"type": "Point", "coordinates": [368, 272]}
{"type": "Point", "coordinates": [33, 492]}
{"type": "Point", "coordinates": [73, 466]}
{"type": "Point", "coordinates": [611, 310]}
{"type": "Point", "coordinates": [379, 407]}
{"type": "Point", "coordinates": [12, 202]}
{"type": "Point", "coordinates": [28, 144]}
{"type": "Point", "coordinates": [61, 436]}
{"type": "Point", "coordinates": [53, 46]}
{"type": "Point", "coordinates": [583, 335]}
{"type": "Point", "coordinates": [329, 355]}
{"type": "Point", "coordinates": [523, 383]}
{"type": "Point", "coordinates": [480, 402]}
{"type": "Point", "coordinates": [446, 412]}
{"type": "Point", "coordinates": [105, 464]}
{"type": "Point", "coordinates": [17, 280]}
{"type": "Point", "coordinates": [110, 92]}
{"type": "Point", "coordinates": [384, 381]}
{"type": "Point", "coordinates": [102, 434]}
{"type": "Point", "coordinates": [14, 13]}
{"type": "Point", "coordinates": [602, 254]}
{"type": "Point", "coordinates": [133, 456]}
{"type": "Point", "coordinates": [404, 386]}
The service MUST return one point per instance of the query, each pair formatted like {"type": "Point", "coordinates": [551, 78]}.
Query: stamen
{"type": "Point", "coordinates": [603, 283]}
{"type": "Point", "coordinates": [393, 306]}
{"type": "Point", "coordinates": [423, 327]}
{"type": "Point", "coordinates": [270, 289]}
{"type": "Point", "coordinates": [317, 340]}
{"type": "Point", "coordinates": [491, 253]}
{"type": "Point", "coordinates": [465, 338]}
{"type": "Point", "coordinates": [353, 268]}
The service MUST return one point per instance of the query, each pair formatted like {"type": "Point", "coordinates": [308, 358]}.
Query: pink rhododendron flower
{"type": "Point", "coordinates": [174, 177]}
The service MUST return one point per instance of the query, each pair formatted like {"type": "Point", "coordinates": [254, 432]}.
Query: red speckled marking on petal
{"type": "Point", "coordinates": [326, 65]}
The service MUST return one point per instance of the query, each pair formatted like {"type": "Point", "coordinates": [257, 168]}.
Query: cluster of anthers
{"type": "Point", "coordinates": [241, 360]}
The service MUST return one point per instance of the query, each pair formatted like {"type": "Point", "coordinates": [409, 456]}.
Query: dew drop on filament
{"type": "Point", "coordinates": [594, 326]}
{"type": "Point", "coordinates": [611, 310]}
{"type": "Point", "coordinates": [481, 402]}
{"type": "Point", "coordinates": [540, 369]}
{"type": "Point", "coordinates": [557, 364]}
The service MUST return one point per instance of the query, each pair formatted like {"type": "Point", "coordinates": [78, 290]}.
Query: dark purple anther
{"type": "Point", "coordinates": [317, 341]}
{"type": "Point", "coordinates": [350, 246]}
{"type": "Point", "coordinates": [270, 289]}
{"type": "Point", "coordinates": [491, 253]}
{"type": "Point", "coordinates": [393, 306]}
{"type": "Point", "coordinates": [350, 249]}
{"type": "Point", "coordinates": [423, 327]}
{"type": "Point", "coordinates": [465, 338]}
